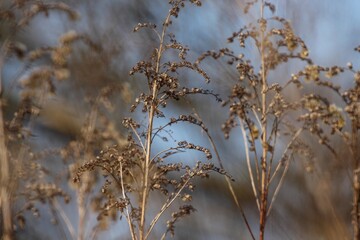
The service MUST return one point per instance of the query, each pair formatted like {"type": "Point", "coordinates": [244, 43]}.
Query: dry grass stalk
{"type": "Point", "coordinates": [134, 172]}
{"type": "Point", "coordinates": [135, 168]}
{"type": "Point", "coordinates": [260, 109]}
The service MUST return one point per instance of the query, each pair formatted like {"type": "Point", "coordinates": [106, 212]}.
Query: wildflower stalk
{"type": "Point", "coordinates": [5, 202]}
{"type": "Point", "coordinates": [149, 132]}
{"type": "Point", "coordinates": [82, 193]}
{"type": "Point", "coordinates": [356, 181]}
{"type": "Point", "coordinates": [264, 183]}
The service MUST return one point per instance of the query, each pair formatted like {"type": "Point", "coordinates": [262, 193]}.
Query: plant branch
{"type": "Point", "coordinates": [5, 196]}
{"type": "Point", "coordinates": [150, 129]}
{"type": "Point", "coordinates": [249, 164]}
{"type": "Point", "coordinates": [128, 217]}
{"type": "Point", "coordinates": [264, 184]}
{"type": "Point", "coordinates": [165, 206]}
{"type": "Point", "coordinates": [228, 180]}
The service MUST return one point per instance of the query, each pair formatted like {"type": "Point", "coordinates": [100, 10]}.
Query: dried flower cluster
{"type": "Point", "coordinates": [324, 120]}
{"type": "Point", "coordinates": [121, 174]}
{"type": "Point", "coordinates": [133, 171]}
{"type": "Point", "coordinates": [26, 178]}
{"type": "Point", "coordinates": [262, 110]}
{"type": "Point", "coordinates": [264, 114]}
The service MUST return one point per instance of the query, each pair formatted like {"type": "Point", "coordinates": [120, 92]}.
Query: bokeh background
{"type": "Point", "coordinates": [314, 202]}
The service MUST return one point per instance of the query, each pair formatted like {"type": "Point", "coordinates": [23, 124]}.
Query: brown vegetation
{"type": "Point", "coordinates": [134, 169]}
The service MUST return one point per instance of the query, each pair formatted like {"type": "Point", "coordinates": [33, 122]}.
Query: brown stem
{"type": "Point", "coordinates": [153, 107]}
{"type": "Point", "coordinates": [5, 196]}
{"type": "Point", "coordinates": [147, 164]}
{"type": "Point", "coordinates": [356, 182]}
{"type": "Point", "coordinates": [82, 197]}
{"type": "Point", "coordinates": [356, 203]}
{"type": "Point", "coordinates": [264, 183]}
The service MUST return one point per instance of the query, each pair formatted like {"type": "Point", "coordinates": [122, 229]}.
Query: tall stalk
{"type": "Point", "coordinates": [356, 181]}
{"type": "Point", "coordinates": [264, 184]}
{"type": "Point", "coordinates": [5, 196]}
{"type": "Point", "coordinates": [263, 110]}
{"type": "Point", "coordinates": [151, 115]}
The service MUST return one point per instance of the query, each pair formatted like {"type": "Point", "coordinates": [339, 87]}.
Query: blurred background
{"type": "Point", "coordinates": [315, 200]}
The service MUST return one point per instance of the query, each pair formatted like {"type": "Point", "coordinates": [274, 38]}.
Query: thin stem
{"type": "Point", "coordinates": [356, 181]}
{"type": "Point", "coordinates": [164, 207]}
{"type": "Point", "coordinates": [149, 132]}
{"type": "Point", "coordinates": [256, 116]}
{"type": "Point", "coordinates": [164, 151]}
{"type": "Point", "coordinates": [5, 196]}
{"type": "Point", "coordinates": [138, 137]}
{"type": "Point", "coordinates": [163, 236]}
{"type": "Point", "coordinates": [273, 134]}
{"type": "Point", "coordinates": [257, 168]}
{"type": "Point", "coordinates": [264, 184]}
{"type": "Point", "coordinates": [128, 217]}
{"type": "Point", "coordinates": [5, 178]}
{"type": "Point", "coordinates": [249, 164]}
{"type": "Point", "coordinates": [82, 193]}
{"type": "Point", "coordinates": [279, 185]}
{"type": "Point", "coordinates": [66, 220]}
{"type": "Point", "coordinates": [228, 180]}
{"type": "Point", "coordinates": [296, 135]}
{"type": "Point", "coordinates": [57, 219]}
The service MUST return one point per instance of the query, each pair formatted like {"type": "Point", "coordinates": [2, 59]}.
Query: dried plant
{"type": "Point", "coordinates": [134, 172]}
{"type": "Point", "coordinates": [263, 110]}
{"type": "Point", "coordinates": [328, 121]}
{"type": "Point", "coordinates": [266, 116]}
{"type": "Point", "coordinates": [26, 181]}
{"type": "Point", "coordinates": [38, 83]}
